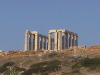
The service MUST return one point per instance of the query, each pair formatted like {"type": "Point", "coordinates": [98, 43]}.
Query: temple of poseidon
{"type": "Point", "coordinates": [56, 40]}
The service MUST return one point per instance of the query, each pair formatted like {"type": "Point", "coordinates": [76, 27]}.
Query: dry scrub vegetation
{"type": "Point", "coordinates": [74, 61]}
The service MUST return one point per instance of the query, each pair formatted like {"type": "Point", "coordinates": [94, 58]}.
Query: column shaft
{"type": "Point", "coordinates": [59, 40]}
{"type": "Point", "coordinates": [44, 44]}
{"type": "Point", "coordinates": [47, 44]}
{"type": "Point", "coordinates": [69, 41]}
{"type": "Point", "coordinates": [55, 41]}
{"type": "Point", "coordinates": [26, 43]}
{"type": "Point", "coordinates": [63, 44]}
{"type": "Point", "coordinates": [49, 41]}
{"type": "Point", "coordinates": [36, 42]}
{"type": "Point", "coordinates": [71, 37]}
{"type": "Point", "coordinates": [76, 40]}
{"type": "Point", "coordinates": [31, 42]}
{"type": "Point", "coordinates": [67, 44]}
{"type": "Point", "coordinates": [41, 44]}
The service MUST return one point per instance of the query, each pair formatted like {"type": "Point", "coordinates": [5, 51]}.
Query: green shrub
{"type": "Point", "coordinates": [54, 65]}
{"type": "Point", "coordinates": [76, 72]}
{"type": "Point", "coordinates": [19, 69]}
{"type": "Point", "coordinates": [28, 72]}
{"type": "Point", "coordinates": [88, 62]}
{"type": "Point", "coordinates": [45, 73]}
{"type": "Point", "coordinates": [91, 62]}
{"type": "Point", "coordinates": [8, 64]}
{"type": "Point", "coordinates": [44, 67]}
{"type": "Point", "coordinates": [52, 54]}
{"type": "Point", "coordinates": [11, 71]}
{"type": "Point", "coordinates": [4, 68]}
{"type": "Point", "coordinates": [77, 58]}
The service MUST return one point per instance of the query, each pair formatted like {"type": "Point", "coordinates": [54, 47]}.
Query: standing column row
{"type": "Point", "coordinates": [31, 41]}
{"type": "Point", "coordinates": [62, 40]}
{"type": "Point", "coordinates": [43, 43]}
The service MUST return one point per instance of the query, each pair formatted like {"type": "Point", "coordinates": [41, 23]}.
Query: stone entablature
{"type": "Point", "coordinates": [62, 40]}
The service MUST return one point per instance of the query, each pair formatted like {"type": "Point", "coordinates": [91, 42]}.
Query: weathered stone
{"type": "Point", "coordinates": [63, 39]}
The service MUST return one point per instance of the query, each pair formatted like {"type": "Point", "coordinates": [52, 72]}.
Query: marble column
{"type": "Point", "coordinates": [76, 40]}
{"type": "Point", "coordinates": [59, 40]}
{"type": "Point", "coordinates": [47, 45]}
{"type": "Point", "coordinates": [26, 43]}
{"type": "Point", "coordinates": [51, 44]}
{"type": "Point", "coordinates": [31, 42]}
{"type": "Point", "coordinates": [36, 41]}
{"type": "Point", "coordinates": [69, 42]}
{"type": "Point", "coordinates": [71, 36]}
{"type": "Point", "coordinates": [49, 41]}
{"type": "Point", "coordinates": [55, 40]}
{"type": "Point", "coordinates": [73, 40]}
{"type": "Point", "coordinates": [44, 44]}
{"type": "Point", "coordinates": [41, 41]}
{"type": "Point", "coordinates": [63, 44]}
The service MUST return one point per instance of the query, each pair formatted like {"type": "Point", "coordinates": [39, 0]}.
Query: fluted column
{"type": "Point", "coordinates": [36, 41]}
{"type": "Point", "coordinates": [59, 40]}
{"type": "Point", "coordinates": [76, 40]}
{"type": "Point", "coordinates": [55, 41]}
{"type": "Point", "coordinates": [43, 47]}
{"type": "Point", "coordinates": [63, 41]}
{"type": "Point", "coordinates": [44, 44]}
{"type": "Point", "coordinates": [69, 41]}
{"type": "Point", "coordinates": [49, 41]}
{"type": "Point", "coordinates": [31, 42]}
{"type": "Point", "coordinates": [41, 43]}
{"type": "Point", "coordinates": [39, 39]}
{"type": "Point", "coordinates": [51, 44]}
{"type": "Point", "coordinates": [73, 40]}
{"type": "Point", "coordinates": [26, 43]}
{"type": "Point", "coordinates": [71, 36]}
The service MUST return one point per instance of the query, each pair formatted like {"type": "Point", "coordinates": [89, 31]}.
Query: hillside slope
{"type": "Point", "coordinates": [73, 61]}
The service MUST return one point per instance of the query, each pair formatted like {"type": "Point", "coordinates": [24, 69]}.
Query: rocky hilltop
{"type": "Point", "coordinates": [79, 60]}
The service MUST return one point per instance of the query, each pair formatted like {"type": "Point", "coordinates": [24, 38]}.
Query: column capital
{"type": "Point", "coordinates": [69, 35]}
{"type": "Point", "coordinates": [75, 37]}
{"type": "Point", "coordinates": [63, 33]}
{"type": "Point", "coordinates": [72, 36]}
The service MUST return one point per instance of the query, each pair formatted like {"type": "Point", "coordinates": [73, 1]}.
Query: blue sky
{"type": "Point", "coordinates": [80, 16]}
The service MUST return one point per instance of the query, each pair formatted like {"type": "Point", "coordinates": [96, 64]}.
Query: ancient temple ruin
{"type": "Point", "coordinates": [56, 40]}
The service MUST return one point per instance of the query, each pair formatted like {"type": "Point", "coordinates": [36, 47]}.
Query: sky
{"type": "Point", "coordinates": [79, 16]}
